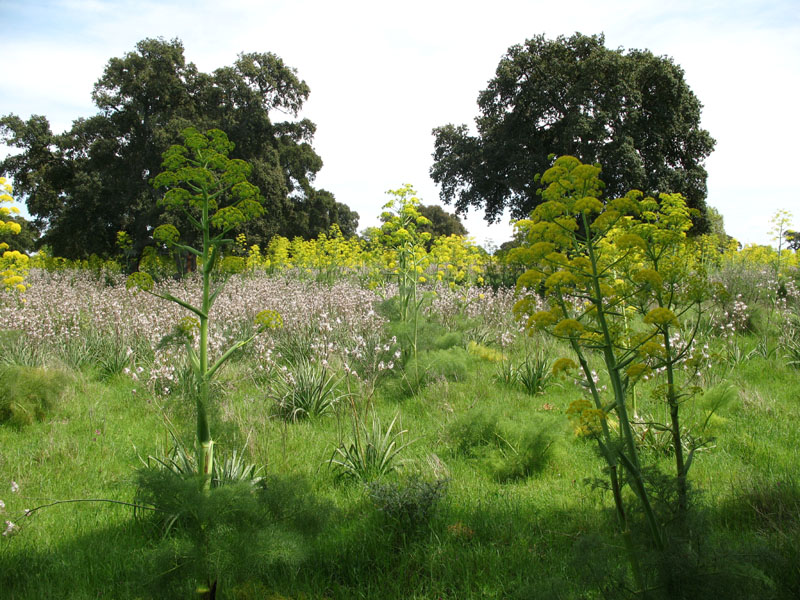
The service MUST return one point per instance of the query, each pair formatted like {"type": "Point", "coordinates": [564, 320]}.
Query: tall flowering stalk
{"type": "Point", "coordinates": [592, 260]}
{"type": "Point", "coordinates": [408, 257]}
{"type": "Point", "coordinates": [213, 193]}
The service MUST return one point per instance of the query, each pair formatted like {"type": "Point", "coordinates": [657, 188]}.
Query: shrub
{"type": "Point", "coordinates": [407, 505]}
{"type": "Point", "coordinates": [29, 393]}
{"type": "Point", "coordinates": [233, 264]}
{"type": "Point", "coordinates": [448, 340]}
{"type": "Point", "coordinates": [526, 454]}
{"type": "Point", "coordinates": [450, 364]}
{"type": "Point", "coordinates": [228, 534]}
{"type": "Point", "coordinates": [472, 430]}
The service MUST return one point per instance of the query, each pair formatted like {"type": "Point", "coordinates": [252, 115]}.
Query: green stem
{"type": "Point", "coordinates": [206, 462]}
{"type": "Point", "coordinates": [675, 427]}
{"type": "Point", "coordinates": [633, 558]}
{"type": "Point", "coordinates": [631, 461]}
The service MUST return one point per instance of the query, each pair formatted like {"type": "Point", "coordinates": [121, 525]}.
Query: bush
{"type": "Point", "coordinates": [233, 264]}
{"type": "Point", "coordinates": [448, 340]}
{"type": "Point", "coordinates": [525, 454]}
{"type": "Point", "coordinates": [29, 393]}
{"type": "Point", "coordinates": [228, 535]}
{"type": "Point", "coordinates": [407, 505]}
{"type": "Point", "coordinates": [509, 454]}
{"type": "Point", "coordinates": [472, 430]}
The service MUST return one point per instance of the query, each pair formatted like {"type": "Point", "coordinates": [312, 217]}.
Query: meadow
{"type": "Point", "coordinates": [351, 469]}
{"type": "Point", "coordinates": [350, 418]}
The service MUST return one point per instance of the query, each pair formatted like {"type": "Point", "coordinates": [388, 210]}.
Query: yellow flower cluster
{"type": "Point", "coordinates": [13, 264]}
{"type": "Point", "coordinates": [269, 319]}
{"type": "Point", "coordinates": [452, 260]}
{"type": "Point", "coordinates": [485, 353]}
{"type": "Point", "coordinates": [585, 418]}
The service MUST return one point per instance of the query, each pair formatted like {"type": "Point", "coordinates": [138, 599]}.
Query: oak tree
{"type": "Point", "coordinates": [88, 183]}
{"type": "Point", "coordinates": [630, 111]}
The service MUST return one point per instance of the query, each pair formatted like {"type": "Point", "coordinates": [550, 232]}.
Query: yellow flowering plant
{"type": "Point", "coordinates": [13, 263]}
{"type": "Point", "coordinates": [599, 264]}
{"type": "Point", "coordinates": [458, 260]}
{"type": "Point", "coordinates": [406, 256]}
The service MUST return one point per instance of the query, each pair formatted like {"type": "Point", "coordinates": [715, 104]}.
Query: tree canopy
{"type": "Point", "coordinates": [630, 111]}
{"type": "Point", "coordinates": [442, 223]}
{"type": "Point", "coordinates": [25, 240]}
{"type": "Point", "coordinates": [793, 240]}
{"type": "Point", "coordinates": [84, 185]}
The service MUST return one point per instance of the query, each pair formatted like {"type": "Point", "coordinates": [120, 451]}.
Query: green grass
{"type": "Point", "coordinates": [542, 532]}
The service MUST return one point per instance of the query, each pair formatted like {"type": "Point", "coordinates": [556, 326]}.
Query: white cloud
{"type": "Point", "coordinates": [383, 75]}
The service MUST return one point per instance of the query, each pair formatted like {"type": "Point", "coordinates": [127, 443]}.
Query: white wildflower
{"type": "Point", "coordinates": [11, 529]}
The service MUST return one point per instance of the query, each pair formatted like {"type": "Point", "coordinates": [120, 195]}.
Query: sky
{"type": "Point", "coordinates": [382, 75]}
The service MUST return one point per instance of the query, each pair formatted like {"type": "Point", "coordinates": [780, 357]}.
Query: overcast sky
{"type": "Point", "coordinates": [383, 75]}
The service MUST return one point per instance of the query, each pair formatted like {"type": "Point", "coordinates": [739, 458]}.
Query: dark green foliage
{"type": "Point", "coordinates": [521, 454]}
{"type": "Point", "coordinates": [231, 534]}
{"type": "Point", "coordinates": [29, 394]}
{"type": "Point", "coordinates": [442, 223]}
{"type": "Point", "coordinates": [407, 505]}
{"type": "Point", "coordinates": [630, 111]}
{"type": "Point", "coordinates": [793, 240]}
{"type": "Point", "coordinates": [472, 430]}
{"type": "Point", "coordinates": [504, 272]}
{"type": "Point", "coordinates": [25, 240]}
{"type": "Point", "coordinates": [768, 504]}
{"type": "Point", "coordinates": [93, 180]}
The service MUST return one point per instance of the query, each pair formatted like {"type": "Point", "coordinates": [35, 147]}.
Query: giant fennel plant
{"type": "Point", "coordinates": [406, 257]}
{"type": "Point", "coordinates": [599, 265]}
{"type": "Point", "coordinates": [212, 192]}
